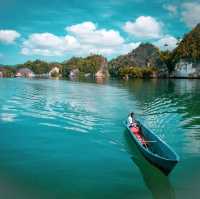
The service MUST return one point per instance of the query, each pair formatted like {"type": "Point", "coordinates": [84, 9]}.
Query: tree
{"type": "Point", "coordinates": [167, 58]}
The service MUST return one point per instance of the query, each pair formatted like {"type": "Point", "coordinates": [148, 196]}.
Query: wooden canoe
{"type": "Point", "coordinates": [153, 148]}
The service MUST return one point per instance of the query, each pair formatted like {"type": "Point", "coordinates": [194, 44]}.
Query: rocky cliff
{"type": "Point", "coordinates": [146, 55]}
{"type": "Point", "coordinates": [186, 56]}
{"type": "Point", "coordinates": [189, 47]}
{"type": "Point", "coordinates": [103, 70]}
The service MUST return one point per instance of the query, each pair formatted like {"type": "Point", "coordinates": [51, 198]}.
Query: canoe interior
{"type": "Point", "coordinates": [156, 146]}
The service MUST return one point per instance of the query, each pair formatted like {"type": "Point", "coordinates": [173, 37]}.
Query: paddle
{"type": "Point", "coordinates": [153, 113]}
{"type": "Point", "coordinates": [146, 142]}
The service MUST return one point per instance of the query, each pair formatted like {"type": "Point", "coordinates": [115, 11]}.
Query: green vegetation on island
{"type": "Point", "coordinates": [8, 71]}
{"type": "Point", "coordinates": [137, 72]}
{"type": "Point", "coordinates": [89, 65]}
{"type": "Point", "coordinates": [39, 67]}
{"type": "Point", "coordinates": [166, 58]}
{"type": "Point", "coordinates": [189, 47]}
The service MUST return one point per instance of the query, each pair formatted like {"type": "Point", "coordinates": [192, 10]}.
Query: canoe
{"type": "Point", "coordinates": [153, 148]}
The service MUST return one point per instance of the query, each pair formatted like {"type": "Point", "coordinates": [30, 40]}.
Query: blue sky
{"type": "Point", "coordinates": [57, 30]}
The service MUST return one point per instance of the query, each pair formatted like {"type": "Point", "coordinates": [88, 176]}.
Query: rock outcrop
{"type": "Point", "coordinates": [103, 71]}
{"type": "Point", "coordinates": [146, 55]}
{"type": "Point", "coordinates": [54, 72]}
{"type": "Point", "coordinates": [25, 72]}
{"type": "Point", "coordinates": [186, 69]}
{"type": "Point", "coordinates": [74, 73]}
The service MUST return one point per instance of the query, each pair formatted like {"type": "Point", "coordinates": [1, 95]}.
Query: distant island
{"type": "Point", "coordinates": [146, 61]}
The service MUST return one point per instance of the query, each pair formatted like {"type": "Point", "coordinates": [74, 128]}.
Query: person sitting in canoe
{"type": "Point", "coordinates": [131, 120]}
{"type": "Point", "coordinates": [136, 129]}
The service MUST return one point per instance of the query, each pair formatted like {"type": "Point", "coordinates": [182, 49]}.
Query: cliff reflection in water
{"type": "Point", "coordinates": [157, 183]}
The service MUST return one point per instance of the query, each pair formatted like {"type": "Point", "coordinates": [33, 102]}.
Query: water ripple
{"type": "Point", "coordinates": [100, 110]}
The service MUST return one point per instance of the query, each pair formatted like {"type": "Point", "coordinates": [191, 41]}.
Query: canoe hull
{"type": "Point", "coordinates": [166, 165]}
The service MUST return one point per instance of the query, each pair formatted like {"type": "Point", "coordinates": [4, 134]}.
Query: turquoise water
{"type": "Point", "coordinates": [61, 139]}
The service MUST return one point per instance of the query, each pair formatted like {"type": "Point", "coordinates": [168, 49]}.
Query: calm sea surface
{"type": "Point", "coordinates": [65, 140]}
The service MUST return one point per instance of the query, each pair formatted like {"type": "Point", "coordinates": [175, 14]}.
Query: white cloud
{"type": "Point", "coordinates": [8, 36]}
{"type": "Point", "coordinates": [88, 33]}
{"type": "Point", "coordinates": [191, 13]}
{"type": "Point", "coordinates": [44, 40]}
{"type": "Point", "coordinates": [48, 44]}
{"type": "Point", "coordinates": [126, 48]}
{"type": "Point", "coordinates": [82, 28]}
{"type": "Point", "coordinates": [171, 8]}
{"type": "Point", "coordinates": [168, 42]}
{"type": "Point", "coordinates": [80, 40]}
{"type": "Point", "coordinates": [144, 26]}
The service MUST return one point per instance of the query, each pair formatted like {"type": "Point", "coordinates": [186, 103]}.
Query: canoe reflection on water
{"type": "Point", "coordinates": [155, 180]}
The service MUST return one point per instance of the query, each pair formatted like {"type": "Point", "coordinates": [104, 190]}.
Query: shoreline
{"type": "Point", "coordinates": [110, 78]}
